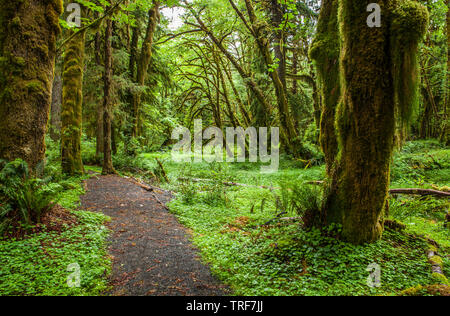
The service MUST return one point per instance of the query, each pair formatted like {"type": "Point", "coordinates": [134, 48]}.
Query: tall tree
{"type": "Point", "coordinates": [325, 52]}
{"type": "Point", "coordinates": [72, 102]}
{"type": "Point", "coordinates": [99, 108]}
{"type": "Point", "coordinates": [445, 137]}
{"type": "Point", "coordinates": [107, 106]}
{"type": "Point", "coordinates": [278, 77]}
{"type": "Point", "coordinates": [144, 62]}
{"type": "Point", "coordinates": [28, 31]}
{"type": "Point", "coordinates": [379, 81]}
{"type": "Point", "coordinates": [55, 112]}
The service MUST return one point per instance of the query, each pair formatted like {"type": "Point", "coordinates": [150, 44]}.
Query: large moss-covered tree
{"type": "Point", "coordinates": [379, 80]}
{"type": "Point", "coordinates": [72, 101]}
{"type": "Point", "coordinates": [445, 137]}
{"type": "Point", "coordinates": [107, 102]}
{"type": "Point", "coordinates": [325, 53]}
{"type": "Point", "coordinates": [143, 63]}
{"type": "Point", "coordinates": [28, 31]}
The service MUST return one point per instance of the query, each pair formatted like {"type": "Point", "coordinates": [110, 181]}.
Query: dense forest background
{"type": "Point", "coordinates": [162, 78]}
{"type": "Point", "coordinates": [363, 115]}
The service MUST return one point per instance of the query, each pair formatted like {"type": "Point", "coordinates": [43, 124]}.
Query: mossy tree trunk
{"type": "Point", "coordinates": [99, 133]}
{"type": "Point", "coordinates": [445, 136]}
{"type": "Point", "coordinates": [107, 106]}
{"type": "Point", "coordinates": [325, 52]}
{"type": "Point", "coordinates": [28, 31]}
{"type": "Point", "coordinates": [144, 62]}
{"type": "Point", "coordinates": [55, 112]}
{"type": "Point", "coordinates": [378, 71]}
{"type": "Point", "coordinates": [99, 112]}
{"type": "Point", "coordinates": [128, 132]}
{"type": "Point", "coordinates": [72, 102]}
{"type": "Point", "coordinates": [289, 134]}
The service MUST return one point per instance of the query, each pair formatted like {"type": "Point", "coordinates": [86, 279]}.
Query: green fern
{"type": "Point", "coordinates": [23, 198]}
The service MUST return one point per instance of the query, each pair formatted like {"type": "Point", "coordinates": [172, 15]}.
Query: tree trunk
{"type": "Point", "coordinates": [279, 40]}
{"type": "Point", "coordinates": [113, 139]}
{"type": "Point", "coordinates": [72, 105]}
{"type": "Point", "coordinates": [55, 112]}
{"type": "Point", "coordinates": [28, 31]}
{"type": "Point", "coordinates": [445, 134]}
{"type": "Point", "coordinates": [99, 112]}
{"type": "Point", "coordinates": [129, 127]}
{"type": "Point", "coordinates": [144, 62]}
{"type": "Point", "coordinates": [99, 132]}
{"type": "Point", "coordinates": [247, 78]}
{"type": "Point", "coordinates": [373, 63]}
{"type": "Point", "coordinates": [107, 157]}
{"type": "Point", "coordinates": [325, 53]}
{"type": "Point", "coordinates": [288, 132]}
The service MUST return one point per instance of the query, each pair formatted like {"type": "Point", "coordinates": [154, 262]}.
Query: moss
{"type": "Point", "coordinates": [409, 21]}
{"type": "Point", "coordinates": [372, 96]}
{"type": "Point", "coordinates": [27, 54]}
{"type": "Point", "coordinates": [15, 22]}
{"type": "Point", "coordinates": [432, 248]}
{"type": "Point", "coordinates": [34, 86]}
{"type": "Point", "coordinates": [18, 61]}
{"type": "Point", "coordinates": [325, 53]}
{"type": "Point", "coordinates": [57, 5]}
{"type": "Point", "coordinates": [54, 10]}
{"type": "Point", "coordinates": [436, 260]}
{"type": "Point", "coordinates": [442, 279]}
{"type": "Point", "coordinates": [418, 290]}
{"type": "Point", "coordinates": [71, 111]}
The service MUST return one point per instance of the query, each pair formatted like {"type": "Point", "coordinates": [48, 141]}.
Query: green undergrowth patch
{"type": "Point", "coordinates": [425, 216]}
{"type": "Point", "coordinates": [423, 163]}
{"type": "Point", "coordinates": [42, 263]}
{"type": "Point", "coordinates": [283, 259]}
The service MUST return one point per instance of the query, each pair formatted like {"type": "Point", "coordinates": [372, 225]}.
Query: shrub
{"type": "Point", "coordinates": [23, 198]}
{"type": "Point", "coordinates": [188, 192]}
{"type": "Point", "coordinates": [300, 199]}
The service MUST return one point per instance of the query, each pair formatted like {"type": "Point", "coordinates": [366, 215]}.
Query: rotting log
{"type": "Point", "coordinates": [413, 191]}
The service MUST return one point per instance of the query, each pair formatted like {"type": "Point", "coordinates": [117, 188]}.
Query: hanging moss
{"type": "Point", "coordinates": [325, 52]}
{"type": "Point", "coordinates": [409, 22]}
{"type": "Point", "coordinates": [71, 108]}
{"type": "Point", "coordinates": [372, 62]}
{"type": "Point", "coordinates": [143, 64]}
{"type": "Point", "coordinates": [28, 30]}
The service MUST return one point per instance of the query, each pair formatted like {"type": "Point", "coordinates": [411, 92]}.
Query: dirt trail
{"type": "Point", "coordinates": [151, 251]}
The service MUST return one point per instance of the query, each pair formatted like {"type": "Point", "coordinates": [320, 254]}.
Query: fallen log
{"type": "Point", "coordinates": [164, 174]}
{"type": "Point", "coordinates": [145, 187]}
{"type": "Point", "coordinates": [413, 191]}
{"type": "Point", "coordinates": [230, 184]}
{"type": "Point", "coordinates": [423, 192]}
{"type": "Point", "coordinates": [150, 189]}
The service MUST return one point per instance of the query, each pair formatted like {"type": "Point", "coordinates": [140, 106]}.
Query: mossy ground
{"type": "Point", "coordinates": [28, 31]}
{"type": "Point", "coordinates": [38, 264]}
{"type": "Point", "coordinates": [278, 259]}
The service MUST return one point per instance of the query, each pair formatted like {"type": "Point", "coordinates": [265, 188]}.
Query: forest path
{"type": "Point", "coordinates": [152, 254]}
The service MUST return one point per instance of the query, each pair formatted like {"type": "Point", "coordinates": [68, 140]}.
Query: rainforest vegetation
{"type": "Point", "coordinates": [93, 92]}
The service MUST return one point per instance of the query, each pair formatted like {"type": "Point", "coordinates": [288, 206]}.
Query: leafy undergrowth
{"type": "Point", "coordinates": [424, 216]}
{"type": "Point", "coordinates": [283, 259]}
{"type": "Point", "coordinates": [424, 164]}
{"type": "Point", "coordinates": [40, 263]}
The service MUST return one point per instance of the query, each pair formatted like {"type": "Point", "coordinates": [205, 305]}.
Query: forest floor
{"type": "Point", "coordinates": [228, 225]}
{"type": "Point", "coordinates": [124, 236]}
{"type": "Point", "coordinates": [151, 251]}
